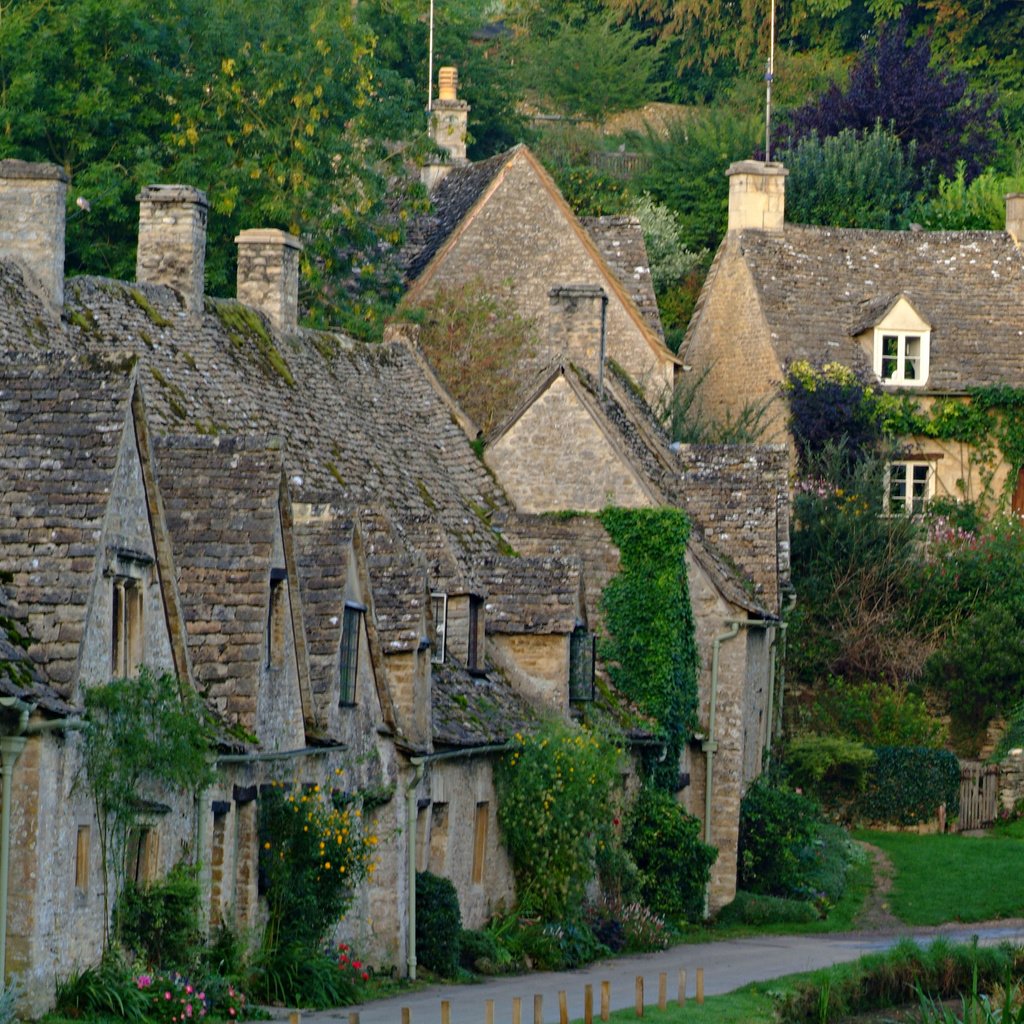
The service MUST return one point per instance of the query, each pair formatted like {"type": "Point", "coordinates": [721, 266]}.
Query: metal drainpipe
{"type": "Point", "coordinates": [604, 344]}
{"type": "Point", "coordinates": [419, 763]}
{"type": "Point", "coordinates": [709, 746]}
{"type": "Point", "coordinates": [11, 747]}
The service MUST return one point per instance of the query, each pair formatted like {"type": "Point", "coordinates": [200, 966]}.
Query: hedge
{"type": "Point", "coordinates": [908, 784]}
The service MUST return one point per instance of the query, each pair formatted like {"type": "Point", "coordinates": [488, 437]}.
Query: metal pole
{"type": "Point", "coordinates": [768, 102]}
{"type": "Point", "coordinates": [430, 62]}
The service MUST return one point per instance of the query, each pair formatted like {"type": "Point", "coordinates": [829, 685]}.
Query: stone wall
{"type": "Point", "coordinates": [555, 456]}
{"type": "Point", "coordinates": [537, 666]}
{"type": "Point", "coordinates": [172, 240]}
{"type": "Point", "coordinates": [520, 244]}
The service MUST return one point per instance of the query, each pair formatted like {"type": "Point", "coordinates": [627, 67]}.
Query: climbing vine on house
{"type": "Point", "coordinates": [650, 646]}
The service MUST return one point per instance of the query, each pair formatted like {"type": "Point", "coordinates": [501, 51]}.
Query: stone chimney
{"type": "Point", "coordinates": [172, 240]}
{"type": "Point", "coordinates": [449, 118]}
{"type": "Point", "coordinates": [1015, 216]}
{"type": "Point", "coordinates": [757, 195]}
{"type": "Point", "coordinates": [268, 274]}
{"type": "Point", "coordinates": [32, 225]}
{"type": "Point", "coordinates": [577, 323]}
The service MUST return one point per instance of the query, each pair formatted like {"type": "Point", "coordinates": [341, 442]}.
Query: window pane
{"type": "Point", "coordinates": [349, 655]}
{"type": "Point", "coordinates": [897, 487]}
{"type": "Point", "coordinates": [581, 664]}
{"type": "Point", "coordinates": [440, 609]}
{"type": "Point", "coordinates": [912, 362]}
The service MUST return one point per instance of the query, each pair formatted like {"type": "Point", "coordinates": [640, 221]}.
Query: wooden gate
{"type": "Point", "coordinates": [979, 792]}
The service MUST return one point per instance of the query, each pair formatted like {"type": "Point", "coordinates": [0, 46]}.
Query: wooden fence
{"type": "Point", "coordinates": [979, 793]}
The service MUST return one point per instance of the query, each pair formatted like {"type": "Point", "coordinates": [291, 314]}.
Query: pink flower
{"type": "Point", "coordinates": [167, 995]}
{"type": "Point", "coordinates": [188, 1010]}
{"type": "Point", "coordinates": [231, 1011]}
{"type": "Point", "coordinates": [188, 989]}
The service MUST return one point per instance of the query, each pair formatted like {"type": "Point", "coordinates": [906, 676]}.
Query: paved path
{"type": "Point", "coordinates": [727, 965]}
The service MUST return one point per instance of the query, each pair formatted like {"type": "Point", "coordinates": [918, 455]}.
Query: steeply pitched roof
{"type": "Point", "coordinates": [474, 711]}
{"type": "Point", "coordinates": [220, 499]}
{"type": "Point", "coordinates": [361, 420]}
{"type": "Point", "coordinates": [61, 429]}
{"type": "Point", "coordinates": [620, 241]}
{"type": "Point", "coordinates": [532, 595]}
{"type": "Point", "coordinates": [816, 285]}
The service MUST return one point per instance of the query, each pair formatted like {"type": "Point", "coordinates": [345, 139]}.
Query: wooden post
{"type": "Point", "coordinates": [588, 1004]}
{"type": "Point", "coordinates": [563, 1009]}
{"type": "Point", "coordinates": [406, 1015]}
{"type": "Point", "coordinates": [489, 1012]}
{"type": "Point", "coordinates": [446, 1011]}
{"type": "Point", "coordinates": [700, 986]}
{"type": "Point", "coordinates": [682, 987]}
{"type": "Point", "coordinates": [353, 1017]}
{"type": "Point", "coordinates": [538, 1009]}
{"type": "Point", "coordinates": [517, 1010]}
{"type": "Point", "coordinates": [295, 1017]}
{"type": "Point", "coordinates": [606, 999]}
{"type": "Point", "coordinates": [639, 995]}
{"type": "Point", "coordinates": [662, 990]}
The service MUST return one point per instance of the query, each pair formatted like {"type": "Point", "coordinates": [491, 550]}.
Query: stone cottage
{"type": "Point", "coordinates": [926, 315]}
{"type": "Point", "coordinates": [296, 525]}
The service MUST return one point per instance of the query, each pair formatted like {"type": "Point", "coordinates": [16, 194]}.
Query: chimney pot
{"type": "Point", "coordinates": [449, 119]}
{"type": "Point", "coordinates": [32, 224]}
{"type": "Point", "coordinates": [268, 274]}
{"type": "Point", "coordinates": [757, 195]}
{"type": "Point", "coordinates": [1015, 216]}
{"type": "Point", "coordinates": [172, 240]}
{"type": "Point", "coordinates": [447, 84]}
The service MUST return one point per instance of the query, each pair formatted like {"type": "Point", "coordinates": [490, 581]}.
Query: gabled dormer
{"type": "Point", "coordinates": [899, 344]}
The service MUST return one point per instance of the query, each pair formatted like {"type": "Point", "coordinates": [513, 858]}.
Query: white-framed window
{"type": "Point", "coordinates": [439, 607]}
{"type": "Point", "coordinates": [908, 487]}
{"type": "Point", "coordinates": [901, 357]}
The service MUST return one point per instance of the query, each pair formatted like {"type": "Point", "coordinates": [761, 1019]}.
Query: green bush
{"type": "Point", "coordinates": [107, 989]}
{"type": "Point", "coordinates": [883, 980]}
{"type": "Point", "coordinates": [558, 945]}
{"type": "Point", "coordinates": [9, 996]}
{"type": "Point", "coordinates": [832, 769]}
{"type": "Point", "coordinates": [827, 861]}
{"type": "Point", "coordinates": [294, 975]}
{"type": "Point", "coordinates": [476, 947]}
{"type": "Point", "coordinates": [554, 809]}
{"type": "Point", "coordinates": [674, 864]}
{"type": "Point", "coordinates": [909, 783]}
{"type": "Point", "coordinates": [160, 921]}
{"type": "Point", "coordinates": [877, 714]}
{"type": "Point", "coordinates": [438, 924]}
{"type": "Point", "coordinates": [758, 909]}
{"type": "Point", "coordinates": [776, 825]}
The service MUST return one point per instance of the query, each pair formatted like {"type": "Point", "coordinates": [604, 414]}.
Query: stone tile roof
{"type": "Point", "coordinates": [533, 595]}
{"type": "Point", "coordinates": [451, 200]}
{"type": "Point", "coordinates": [323, 538]}
{"type": "Point", "coordinates": [817, 285]}
{"type": "Point", "coordinates": [620, 240]}
{"type": "Point", "coordinates": [220, 497]}
{"type": "Point", "coordinates": [475, 711]}
{"type": "Point", "coordinates": [399, 580]}
{"type": "Point", "coordinates": [61, 429]}
{"type": "Point", "coordinates": [359, 420]}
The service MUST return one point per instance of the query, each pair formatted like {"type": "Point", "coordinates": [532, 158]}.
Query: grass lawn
{"type": "Point", "coordinates": [943, 878]}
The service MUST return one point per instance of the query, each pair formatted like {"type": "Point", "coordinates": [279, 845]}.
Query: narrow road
{"type": "Point", "coordinates": [727, 965]}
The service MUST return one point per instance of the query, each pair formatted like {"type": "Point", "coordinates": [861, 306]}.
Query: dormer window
{"type": "Point", "coordinates": [582, 651]}
{"type": "Point", "coordinates": [474, 661]}
{"type": "Point", "coordinates": [901, 346]}
{"type": "Point", "coordinates": [351, 629]}
{"type": "Point", "coordinates": [439, 606]}
{"type": "Point", "coordinates": [276, 615]}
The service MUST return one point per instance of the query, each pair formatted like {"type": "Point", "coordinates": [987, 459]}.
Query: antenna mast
{"type": "Point", "coordinates": [430, 60]}
{"type": "Point", "coordinates": [769, 75]}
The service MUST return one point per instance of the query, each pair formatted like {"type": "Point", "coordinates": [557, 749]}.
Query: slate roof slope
{"type": "Point", "coordinates": [450, 201]}
{"type": "Point", "coordinates": [533, 595]}
{"type": "Point", "coordinates": [817, 285]}
{"type": "Point", "coordinates": [361, 420]}
{"type": "Point", "coordinates": [220, 499]}
{"type": "Point", "coordinates": [620, 240]}
{"type": "Point", "coordinates": [22, 315]}
{"type": "Point", "coordinates": [61, 429]}
{"type": "Point", "coordinates": [474, 711]}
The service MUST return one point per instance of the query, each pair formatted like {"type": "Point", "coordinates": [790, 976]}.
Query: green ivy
{"type": "Point", "coordinates": [650, 646]}
{"type": "Point", "coordinates": [909, 783]}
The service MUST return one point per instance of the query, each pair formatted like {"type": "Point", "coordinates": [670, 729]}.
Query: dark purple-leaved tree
{"type": "Point", "coordinates": [894, 81]}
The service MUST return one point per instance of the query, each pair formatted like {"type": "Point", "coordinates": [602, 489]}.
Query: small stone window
{"type": "Point", "coordinates": [276, 618]}
{"type": "Point", "coordinates": [474, 650]}
{"type": "Point", "coordinates": [126, 627]}
{"type": "Point", "coordinates": [582, 656]}
{"type": "Point", "coordinates": [82, 858]}
{"type": "Point", "coordinates": [439, 606]}
{"type": "Point", "coordinates": [351, 630]}
{"type": "Point", "coordinates": [480, 841]}
{"type": "Point", "coordinates": [143, 855]}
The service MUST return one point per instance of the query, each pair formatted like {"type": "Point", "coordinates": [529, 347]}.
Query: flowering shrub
{"type": "Point", "coordinates": [632, 926]}
{"type": "Point", "coordinates": [313, 852]}
{"type": "Point", "coordinates": [172, 998]}
{"type": "Point", "coordinates": [554, 793]}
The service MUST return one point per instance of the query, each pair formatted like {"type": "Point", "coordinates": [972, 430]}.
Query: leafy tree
{"type": "Point", "coordinates": [894, 82]}
{"type": "Point", "coordinates": [978, 206]}
{"type": "Point", "coordinates": [667, 254]}
{"type": "Point", "coordinates": [850, 180]}
{"type": "Point", "coordinates": [145, 734]}
{"type": "Point", "coordinates": [687, 165]}
{"type": "Point", "coordinates": [592, 69]}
